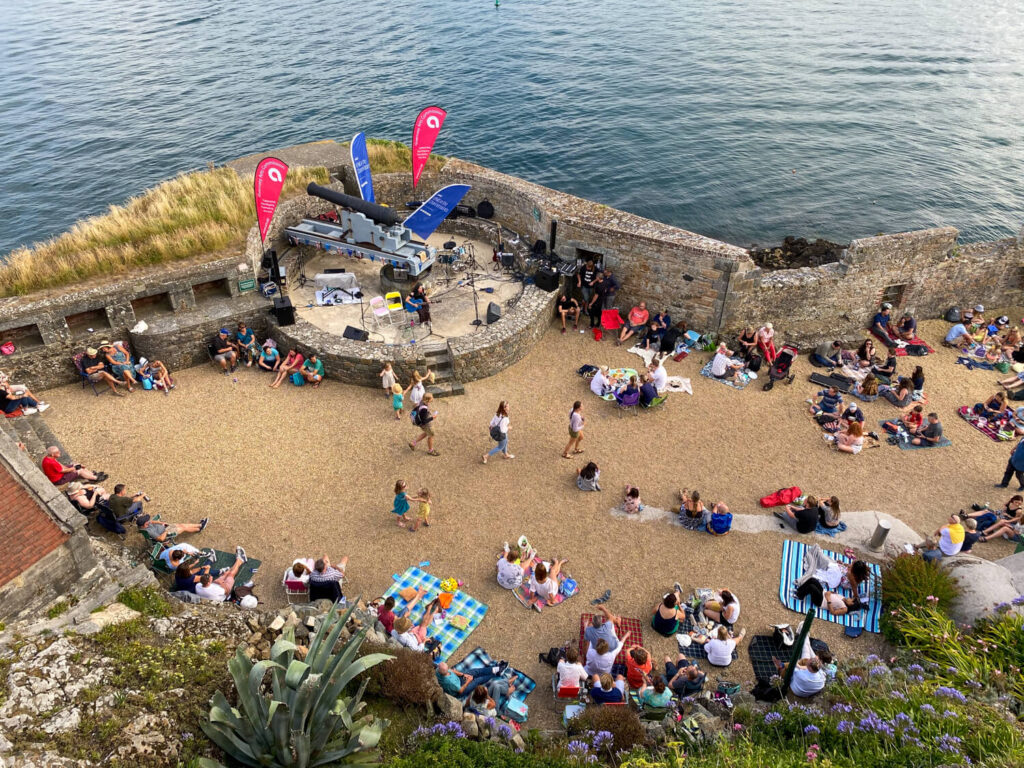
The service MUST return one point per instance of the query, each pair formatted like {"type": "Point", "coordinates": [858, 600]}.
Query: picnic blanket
{"type": "Point", "coordinates": [618, 377]}
{"type": "Point", "coordinates": [971, 418]}
{"type": "Point", "coordinates": [740, 384]}
{"type": "Point", "coordinates": [523, 594]}
{"type": "Point", "coordinates": [900, 347]}
{"type": "Point", "coordinates": [478, 657]}
{"type": "Point", "coordinates": [462, 605]}
{"type": "Point", "coordinates": [763, 650]}
{"type": "Point", "coordinates": [678, 384]}
{"type": "Point", "coordinates": [223, 562]}
{"type": "Point", "coordinates": [633, 626]}
{"type": "Point", "coordinates": [695, 651]}
{"type": "Point", "coordinates": [792, 569]}
{"type": "Point", "coordinates": [830, 531]}
{"type": "Point", "coordinates": [906, 445]}
{"type": "Point", "coordinates": [646, 354]}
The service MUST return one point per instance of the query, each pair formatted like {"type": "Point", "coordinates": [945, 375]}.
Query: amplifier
{"type": "Point", "coordinates": [567, 268]}
{"type": "Point", "coordinates": [356, 334]}
{"type": "Point", "coordinates": [546, 279]}
{"type": "Point", "coordinates": [284, 311]}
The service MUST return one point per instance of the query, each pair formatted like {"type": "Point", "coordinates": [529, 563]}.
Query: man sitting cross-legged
{"type": "Point", "coordinates": [684, 676]}
{"type": "Point", "coordinates": [94, 366]}
{"type": "Point", "coordinates": [218, 589]}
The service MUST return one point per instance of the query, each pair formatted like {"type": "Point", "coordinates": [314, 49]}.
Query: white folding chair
{"type": "Point", "coordinates": [380, 309]}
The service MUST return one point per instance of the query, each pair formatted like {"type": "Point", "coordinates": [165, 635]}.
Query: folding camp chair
{"type": "Point", "coordinates": [659, 400]}
{"type": "Point", "coordinates": [564, 693]}
{"type": "Point", "coordinates": [155, 561]}
{"type": "Point", "coordinates": [627, 402]}
{"type": "Point", "coordinates": [327, 590]}
{"type": "Point", "coordinates": [77, 359]}
{"type": "Point", "coordinates": [149, 539]}
{"type": "Point", "coordinates": [394, 302]}
{"type": "Point", "coordinates": [611, 320]}
{"type": "Point", "coordinates": [296, 591]}
{"type": "Point", "coordinates": [380, 309]}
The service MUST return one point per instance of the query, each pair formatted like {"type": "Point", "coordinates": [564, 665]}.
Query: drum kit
{"type": "Point", "coordinates": [456, 258]}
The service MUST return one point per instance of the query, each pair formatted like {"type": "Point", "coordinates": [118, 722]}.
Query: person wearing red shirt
{"type": "Point", "coordinates": [638, 667]}
{"type": "Point", "coordinates": [59, 474]}
{"type": "Point", "coordinates": [635, 322]}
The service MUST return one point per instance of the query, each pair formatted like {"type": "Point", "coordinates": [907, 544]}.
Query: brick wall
{"type": "Point", "coordinates": [29, 534]}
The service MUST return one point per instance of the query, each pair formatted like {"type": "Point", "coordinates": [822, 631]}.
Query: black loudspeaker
{"type": "Point", "coordinates": [493, 313]}
{"type": "Point", "coordinates": [508, 260]}
{"type": "Point", "coordinates": [356, 334]}
{"type": "Point", "coordinates": [485, 210]}
{"type": "Point", "coordinates": [546, 279]}
{"type": "Point", "coordinates": [284, 311]}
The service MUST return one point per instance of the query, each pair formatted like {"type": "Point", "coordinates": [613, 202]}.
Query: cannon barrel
{"type": "Point", "coordinates": [379, 213]}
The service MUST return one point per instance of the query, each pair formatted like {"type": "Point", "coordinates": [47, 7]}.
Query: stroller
{"type": "Point", "coordinates": [781, 367]}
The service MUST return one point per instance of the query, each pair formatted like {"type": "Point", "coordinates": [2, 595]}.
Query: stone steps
{"type": "Point", "coordinates": [34, 432]}
{"type": "Point", "coordinates": [440, 363]}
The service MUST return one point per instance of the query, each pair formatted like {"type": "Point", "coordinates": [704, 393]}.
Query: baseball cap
{"type": "Point", "coordinates": [968, 315]}
{"type": "Point", "coordinates": [886, 305]}
{"type": "Point", "coordinates": [1004, 320]}
{"type": "Point", "coordinates": [141, 520]}
{"type": "Point", "coordinates": [225, 331]}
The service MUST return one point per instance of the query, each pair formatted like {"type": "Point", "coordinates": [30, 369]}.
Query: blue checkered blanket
{"type": "Point", "coordinates": [462, 605]}
{"type": "Point", "coordinates": [478, 657]}
{"type": "Point", "coordinates": [792, 569]}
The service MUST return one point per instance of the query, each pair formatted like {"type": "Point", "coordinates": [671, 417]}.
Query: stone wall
{"type": "Point", "coordinates": [923, 272]}
{"type": "Point", "coordinates": [44, 549]}
{"type": "Point", "coordinates": [181, 303]}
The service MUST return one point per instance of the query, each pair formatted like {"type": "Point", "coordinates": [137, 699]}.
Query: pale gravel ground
{"type": "Point", "coordinates": [295, 472]}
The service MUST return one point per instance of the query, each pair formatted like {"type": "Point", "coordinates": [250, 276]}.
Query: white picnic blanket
{"type": "Point", "coordinates": [678, 384]}
{"type": "Point", "coordinates": [646, 354]}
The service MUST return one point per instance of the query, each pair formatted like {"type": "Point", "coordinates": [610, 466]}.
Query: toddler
{"type": "Point", "coordinates": [397, 400]}
{"type": "Point", "coordinates": [631, 503]}
{"type": "Point", "coordinates": [388, 379]}
{"type": "Point", "coordinates": [401, 506]}
{"type": "Point", "coordinates": [423, 512]}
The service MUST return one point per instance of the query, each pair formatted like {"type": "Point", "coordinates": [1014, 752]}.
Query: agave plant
{"type": "Point", "coordinates": [303, 719]}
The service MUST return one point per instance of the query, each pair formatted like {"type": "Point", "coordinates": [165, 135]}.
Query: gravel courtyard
{"type": "Point", "coordinates": [300, 472]}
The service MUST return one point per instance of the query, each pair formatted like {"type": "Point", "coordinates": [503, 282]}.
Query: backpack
{"type": "Point", "coordinates": [297, 379]}
{"type": "Point", "coordinates": [552, 657]}
{"type": "Point", "coordinates": [496, 434]}
{"type": "Point", "coordinates": [417, 415]}
{"type": "Point", "coordinates": [917, 350]}
{"type": "Point", "coordinates": [754, 363]}
{"type": "Point", "coordinates": [953, 315]}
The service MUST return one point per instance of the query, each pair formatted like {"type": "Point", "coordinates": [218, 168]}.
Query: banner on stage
{"type": "Point", "coordinates": [361, 165]}
{"type": "Point", "coordinates": [428, 217]}
{"type": "Point", "coordinates": [267, 185]}
{"type": "Point", "coordinates": [424, 134]}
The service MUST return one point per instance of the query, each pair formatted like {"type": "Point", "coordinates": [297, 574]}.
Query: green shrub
{"type": "Point", "coordinates": [621, 722]}
{"type": "Point", "coordinates": [149, 601]}
{"type": "Point", "coordinates": [461, 753]}
{"type": "Point", "coordinates": [909, 580]}
{"type": "Point", "coordinates": [407, 679]}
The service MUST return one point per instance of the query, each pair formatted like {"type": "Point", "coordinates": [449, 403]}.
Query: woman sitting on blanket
{"type": "Point", "coordinates": [415, 637]}
{"type": "Point", "coordinates": [588, 477]}
{"type": "Point", "coordinates": [992, 408]}
{"type": "Point", "coordinates": [868, 388]}
{"type": "Point", "coordinates": [719, 648]}
{"type": "Point", "coordinates": [987, 517]}
{"type": "Point", "coordinates": [544, 583]}
{"type": "Point", "coordinates": [632, 388]}
{"type": "Point", "coordinates": [900, 395]}
{"type": "Point", "coordinates": [866, 352]}
{"type": "Point", "coordinates": [1011, 524]}
{"type": "Point", "coordinates": [599, 384]}
{"type": "Point", "coordinates": [822, 573]}
{"type": "Point", "coordinates": [722, 608]}
{"type": "Point", "coordinates": [692, 513]}
{"type": "Point", "coordinates": [512, 568]}
{"type": "Point", "coordinates": [828, 513]}
{"type": "Point", "coordinates": [667, 614]}
{"type": "Point", "coordinates": [850, 440]}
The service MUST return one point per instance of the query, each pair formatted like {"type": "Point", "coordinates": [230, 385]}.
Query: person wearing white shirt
{"type": "Point", "coordinates": [498, 429]}
{"type": "Point", "coordinates": [722, 367]}
{"type": "Point", "coordinates": [602, 655]}
{"type": "Point", "coordinates": [511, 570]}
{"type": "Point", "coordinates": [659, 376]}
{"type": "Point", "coordinates": [298, 570]}
{"type": "Point", "coordinates": [217, 590]}
{"type": "Point", "coordinates": [599, 383]}
{"type": "Point", "coordinates": [571, 673]}
{"type": "Point", "coordinates": [809, 675]}
{"type": "Point", "coordinates": [719, 649]}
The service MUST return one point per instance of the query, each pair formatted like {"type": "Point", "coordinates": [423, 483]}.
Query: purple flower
{"type": "Point", "coordinates": [871, 658]}
{"type": "Point", "coordinates": [853, 678]}
{"type": "Point", "coordinates": [1018, 600]}
{"type": "Point", "coordinates": [811, 729]}
{"type": "Point", "coordinates": [881, 669]}
{"type": "Point", "coordinates": [949, 743]}
{"type": "Point", "coordinates": [504, 731]}
{"type": "Point", "coordinates": [898, 695]}
{"type": "Point", "coordinates": [950, 693]}
{"type": "Point", "coordinates": [915, 668]}
{"type": "Point", "coordinates": [841, 707]}
{"type": "Point", "coordinates": [973, 684]}
{"type": "Point", "coordinates": [927, 708]}
{"type": "Point", "coordinates": [578, 747]}
{"type": "Point", "coordinates": [1002, 607]}
{"type": "Point", "coordinates": [949, 713]}
{"type": "Point", "coordinates": [601, 738]}
{"type": "Point", "coordinates": [772, 717]}
{"type": "Point", "coordinates": [874, 724]}
{"type": "Point", "coordinates": [844, 726]}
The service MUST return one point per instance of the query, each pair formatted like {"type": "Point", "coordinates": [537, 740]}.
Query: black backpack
{"type": "Point", "coordinates": [754, 363]}
{"type": "Point", "coordinates": [953, 315]}
{"type": "Point", "coordinates": [418, 414]}
{"type": "Point", "coordinates": [552, 657]}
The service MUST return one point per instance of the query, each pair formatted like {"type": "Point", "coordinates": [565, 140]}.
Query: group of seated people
{"type": "Point", "coordinates": [228, 350]}
{"type": "Point", "coordinates": [893, 333]}
{"type": "Point", "coordinates": [995, 341]}
{"type": "Point", "coordinates": [694, 515]}
{"type": "Point", "coordinates": [517, 562]}
{"type": "Point", "coordinates": [807, 514]}
{"type": "Point", "coordinates": [1007, 522]}
{"type": "Point", "coordinates": [822, 577]}
{"type": "Point", "coordinates": [111, 363]}
{"type": "Point", "coordinates": [959, 534]}
{"type": "Point", "coordinates": [194, 572]}
{"type": "Point", "coordinates": [321, 577]}
{"type": "Point", "coordinates": [651, 384]}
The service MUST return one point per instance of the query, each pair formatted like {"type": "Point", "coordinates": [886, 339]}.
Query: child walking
{"type": "Point", "coordinates": [401, 503]}
{"type": "Point", "coordinates": [397, 400]}
{"type": "Point", "coordinates": [423, 512]}
{"type": "Point", "coordinates": [388, 379]}
{"type": "Point", "coordinates": [576, 422]}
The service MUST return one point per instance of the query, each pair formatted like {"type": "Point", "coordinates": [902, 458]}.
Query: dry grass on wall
{"type": "Point", "coordinates": [395, 157]}
{"type": "Point", "coordinates": [193, 214]}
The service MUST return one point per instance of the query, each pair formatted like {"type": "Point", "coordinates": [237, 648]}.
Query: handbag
{"type": "Point", "coordinates": [568, 587]}
{"type": "Point", "coordinates": [496, 434]}
{"type": "Point", "coordinates": [297, 379]}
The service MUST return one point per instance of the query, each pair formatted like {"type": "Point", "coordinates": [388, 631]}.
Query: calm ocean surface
{"type": "Point", "coordinates": [894, 114]}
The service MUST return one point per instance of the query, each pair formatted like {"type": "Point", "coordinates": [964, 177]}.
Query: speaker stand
{"type": "Point", "coordinates": [476, 306]}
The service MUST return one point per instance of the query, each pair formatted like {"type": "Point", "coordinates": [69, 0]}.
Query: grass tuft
{"type": "Point", "coordinates": [388, 156]}
{"type": "Point", "coordinates": [206, 212]}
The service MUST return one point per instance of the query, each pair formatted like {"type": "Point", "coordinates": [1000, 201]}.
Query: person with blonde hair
{"type": "Point", "coordinates": [719, 648]}
{"type": "Point", "coordinates": [424, 418]}
{"type": "Point", "coordinates": [397, 400]}
{"type": "Point", "coordinates": [417, 388]}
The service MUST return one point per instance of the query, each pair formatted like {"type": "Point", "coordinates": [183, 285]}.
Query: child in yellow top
{"type": "Point", "coordinates": [423, 513]}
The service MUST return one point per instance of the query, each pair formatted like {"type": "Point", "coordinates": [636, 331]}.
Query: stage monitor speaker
{"type": "Point", "coordinates": [493, 313]}
{"type": "Point", "coordinates": [356, 334]}
{"type": "Point", "coordinates": [508, 260]}
{"type": "Point", "coordinates": [485, 210]}
{"type": "Point", "coordinates": [546, 279]}
{"type": "Point", "coordinates": [284, 311]}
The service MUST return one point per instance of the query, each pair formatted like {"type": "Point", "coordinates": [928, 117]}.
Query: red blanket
{"type": "Point", "coordinates": [902, 351]}
{"type": "Point", "coordinates": [781, 497]}
{"type": "Point", "coordinates": [633, 626]}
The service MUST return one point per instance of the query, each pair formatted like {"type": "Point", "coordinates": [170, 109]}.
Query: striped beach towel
{"type": "Point", "coordinates": [792, 569]}
{"type": "Point", "coordinates": [462, 605]}
{"type": "Point", "coordinates": [478, 657]}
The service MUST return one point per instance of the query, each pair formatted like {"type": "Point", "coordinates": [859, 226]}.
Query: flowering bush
{"type": "Point", "coordinates": [617, 728]}
{"type": "Point", "coordinates": [910, 580]}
